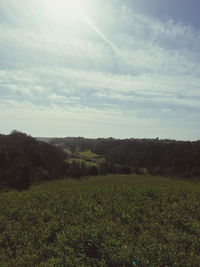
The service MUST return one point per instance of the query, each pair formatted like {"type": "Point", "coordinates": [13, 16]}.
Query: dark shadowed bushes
{"type": "Point", "coordinates": [165, 157]}
{"type": "Point", "coordinates": [24, 160]}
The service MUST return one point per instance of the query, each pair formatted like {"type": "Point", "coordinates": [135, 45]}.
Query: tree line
{"type": "Point", "coordinates": [153, 156]}
{"type": "Point", "coordinates": [25, 160]}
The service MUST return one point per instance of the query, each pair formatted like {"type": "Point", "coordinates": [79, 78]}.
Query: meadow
{"type": "Point", "coordinates": [78, 160]}
{"type": "Point", "coordinates": [111, 220]}
{"type": "Point", "coordinates": [88, 154]}
{"type": "Point", "coordinates": [94, 158]}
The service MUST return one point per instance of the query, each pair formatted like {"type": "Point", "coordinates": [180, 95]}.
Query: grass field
{"type": "Point", "coordinates": [102, 221]}
{"type": "Point", "coordinates": [88, 163]}
{"type": "Point", "coordinates": [87, 157]}
{"type": "Point", "coordinates": [88, 154]}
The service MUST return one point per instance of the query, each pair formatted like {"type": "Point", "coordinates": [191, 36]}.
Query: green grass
{"type": "Point", "coordinates": [88, 154]}
{"type": "Point", "coordinates": [88, 163]}
{"type": "Point", "coordinates": [102, 221]}
{"type": "Point", "coordinates": [91, 157]}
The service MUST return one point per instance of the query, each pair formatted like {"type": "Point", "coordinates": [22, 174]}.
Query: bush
{"type": "Point", "coordinates": [18, 177]}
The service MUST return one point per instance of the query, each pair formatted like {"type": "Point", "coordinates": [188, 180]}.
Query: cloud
{"type": "Point", "coordinates": [69, 72]}
{"type": "Point", "coordinates": [61, 86]}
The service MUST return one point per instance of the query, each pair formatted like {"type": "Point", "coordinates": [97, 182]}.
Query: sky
{"type": "Point", "coordinates": [99, 68]}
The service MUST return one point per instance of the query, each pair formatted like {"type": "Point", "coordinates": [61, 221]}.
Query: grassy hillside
{"type": "Point", "coordinates": [88, 163]}
{"type": "Point", "coordinates": [102, 221]}
{"type": "Point", "coordinates": [88, 154]}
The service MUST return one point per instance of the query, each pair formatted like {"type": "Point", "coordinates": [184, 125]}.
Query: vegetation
{"type": "Point", "coordinates": [150, 156]}
{"type": "Point", "coordinates": [78, 160]}
{"type": "Point", "coordinates": [88, 154]}
{"type": "Point", "coordinates": [102, 221]}
{"type": "Point", "coordinates": [108, 220]}
{"type": "Point", "coordinates": [90, 157]}
{"type": "Point", "coordinates": [24, 160]}
{"type": "Point", "coordinates": [87, 157]}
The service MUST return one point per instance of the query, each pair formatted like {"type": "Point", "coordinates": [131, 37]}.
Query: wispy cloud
{"type": "Point", "coordinates": [126, 69]}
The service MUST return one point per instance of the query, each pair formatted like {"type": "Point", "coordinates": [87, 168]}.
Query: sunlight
{"type": "Point", "coordinates": [106, 39]}
{"type": "Point", "coordinates": [74, 13]}
{"type": "Point", "coordinates": [67, 10]}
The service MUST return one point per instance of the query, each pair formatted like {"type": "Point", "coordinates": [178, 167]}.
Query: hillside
{"type": "Point", "coordinates": [25, 160]}
{"type": "Point", "coordinates": [152, 156]}
{"type": "Point", "coordinates": [102, 221]}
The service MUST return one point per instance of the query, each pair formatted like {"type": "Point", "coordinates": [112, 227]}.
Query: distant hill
{"type": "Point", "coordinates": [45, 139]}
{"type": "Point", "coordinates": [25, 160]}
{"type": "Point", "coordinates": [153, 156]}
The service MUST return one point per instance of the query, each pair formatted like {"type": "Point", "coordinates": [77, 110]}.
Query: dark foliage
{"type": "Point", "coordinates": [165, 157]}
{"type": "Point", "coordinates": [79, 169]}
{"type": "Point", "coordinates": [23, 160]}
{"type": "Point", "coordinates": [142, 156]}
{"type": "Point", "coordinates": [74, 143]}
{"type": "Point", "coordinates": [18, 177]}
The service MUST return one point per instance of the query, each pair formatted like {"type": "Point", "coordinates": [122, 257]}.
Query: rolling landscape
{"type": "Point", "coordinates": [62, 204]}
{"type": "Point", "coordinates": [99, 133]}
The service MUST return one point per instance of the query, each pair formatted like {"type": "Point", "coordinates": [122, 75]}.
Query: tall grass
{"type": "Point", "coordinates": [102, 221]}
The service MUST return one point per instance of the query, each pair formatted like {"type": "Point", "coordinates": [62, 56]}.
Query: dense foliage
{"type": "Point", "coordinates": [23, 159]}
{"type": "Point", "coordinates": [153, 156]}
{"type": "Point", "coordinates": [102, 221]}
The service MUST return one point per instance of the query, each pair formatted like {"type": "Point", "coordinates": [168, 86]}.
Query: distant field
{"type": "Point", "coordinates": [88, 154]}
{"type": "Point", "coordinates": [88, 163]}
{"type": "Point", "coordinates": [102, 221]}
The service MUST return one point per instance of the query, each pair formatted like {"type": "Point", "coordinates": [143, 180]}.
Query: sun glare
{"type": "Point", "coordinates": [67, 10]}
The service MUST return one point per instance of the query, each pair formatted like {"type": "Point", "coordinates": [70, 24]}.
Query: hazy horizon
{"type": "Point", "coordinates": [122, 69]}
{"type": "Point", "coordinates": [103, 137]}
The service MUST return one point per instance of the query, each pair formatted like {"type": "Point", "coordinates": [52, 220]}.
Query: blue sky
{"type": "Point", "coordinates": [99, 69]}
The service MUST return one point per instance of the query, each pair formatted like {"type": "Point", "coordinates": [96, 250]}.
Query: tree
{"type": "Point", "coordinates": [18, 177]}
{"type": "Point", "coordinates": [24, 180]}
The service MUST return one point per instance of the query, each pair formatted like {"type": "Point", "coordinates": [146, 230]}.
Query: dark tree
{"type": "Point", "coordinates": [24, 180]}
